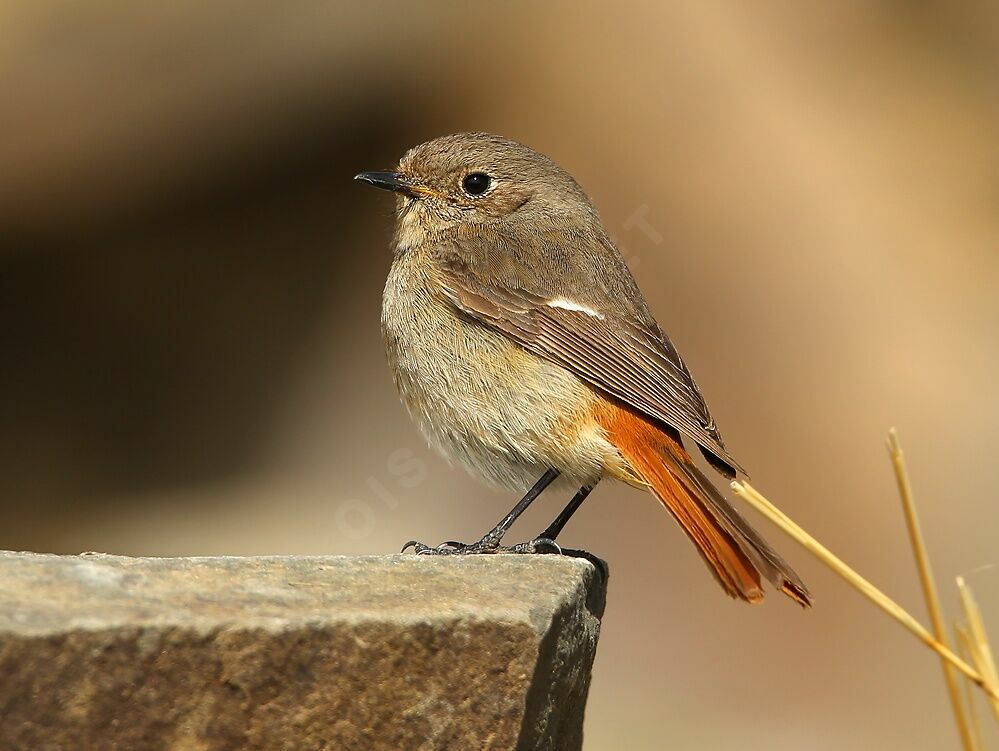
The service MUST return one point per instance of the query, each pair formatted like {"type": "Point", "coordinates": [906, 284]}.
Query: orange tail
{"type": "Point", "coordinates": [733, 550]}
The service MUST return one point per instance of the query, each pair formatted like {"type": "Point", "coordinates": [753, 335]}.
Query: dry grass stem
{"type": "Point", "coordinates": [964, 649]}
{"type": "Point", "coordinates": [978, 643]}
{"type": "Point", "coordinates": [893, 609]}
{"type": "Point", "coordinates": [929, 585]}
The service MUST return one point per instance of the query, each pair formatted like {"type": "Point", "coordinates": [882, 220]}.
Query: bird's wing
{"type": "Point", "coordinates": [620, 355]}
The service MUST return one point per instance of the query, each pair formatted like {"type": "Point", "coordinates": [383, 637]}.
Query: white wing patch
{"type": "Point", "coordinates": [561, 302]}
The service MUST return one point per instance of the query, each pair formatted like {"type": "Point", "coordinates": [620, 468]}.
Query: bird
{"type": "Point", "coordinates": [522, 347]}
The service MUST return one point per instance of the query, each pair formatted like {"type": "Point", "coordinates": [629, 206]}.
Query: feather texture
{"type": "Point", "coordinates": [737, 555]}
{"type": "Point", "coordinates": [624, 355]}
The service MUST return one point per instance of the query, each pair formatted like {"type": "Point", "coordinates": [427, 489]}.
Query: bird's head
{"type": "Point", "coordinates": [470, 182]}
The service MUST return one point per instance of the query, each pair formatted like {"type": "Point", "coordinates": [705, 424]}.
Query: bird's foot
{"type": "Point", "coordinates": [487, 545]}
{"type": "Point", "coordinates": [453, 547]}
{"type": "Point", "coordinates": [537, 546]}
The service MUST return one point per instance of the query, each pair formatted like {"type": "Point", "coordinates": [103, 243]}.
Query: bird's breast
{"type": "Point", "coordinates": [479, 398]}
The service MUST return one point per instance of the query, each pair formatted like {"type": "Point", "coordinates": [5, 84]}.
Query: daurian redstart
{"type": "Point", "coordinates": [523, 348]}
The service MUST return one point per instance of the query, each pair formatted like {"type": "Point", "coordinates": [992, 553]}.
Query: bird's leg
{"type": "Point", "coordinates": [555, 528]}
{"type": "Point", "coordinates": [545, 542]}
{"type": "Point", "coordinates": [494, 536]}
{"type": "Point", "coordinates": [490, 542]}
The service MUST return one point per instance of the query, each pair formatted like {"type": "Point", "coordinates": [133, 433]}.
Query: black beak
{"type": "Point", "coordinates": [387, 181]}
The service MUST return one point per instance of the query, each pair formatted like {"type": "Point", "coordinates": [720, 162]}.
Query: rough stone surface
{"type": "Point", "coordinates": [394, 652]}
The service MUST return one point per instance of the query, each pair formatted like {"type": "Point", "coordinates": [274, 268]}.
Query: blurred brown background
{"type": "Point", "coordinates": [190, 288]}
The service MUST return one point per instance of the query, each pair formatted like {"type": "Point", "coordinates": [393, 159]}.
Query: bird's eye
{"type": "Point", "coordinates": [476, 183]}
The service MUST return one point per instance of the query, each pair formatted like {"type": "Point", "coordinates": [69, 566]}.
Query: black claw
{"type": "Point", "coordinates": [546, 545]}
{"type": "Point", "coordinates": [448, 547]}
{"type": "Point", "coordinates": [598, 562]}
{"type": "Point", "coordinates": [538, 546]}
{"type": "Point", "coordinates": [418, 547]}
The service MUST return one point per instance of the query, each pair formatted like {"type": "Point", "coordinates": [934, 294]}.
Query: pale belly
{"type": "Point", "coordinates": [486, 404]}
